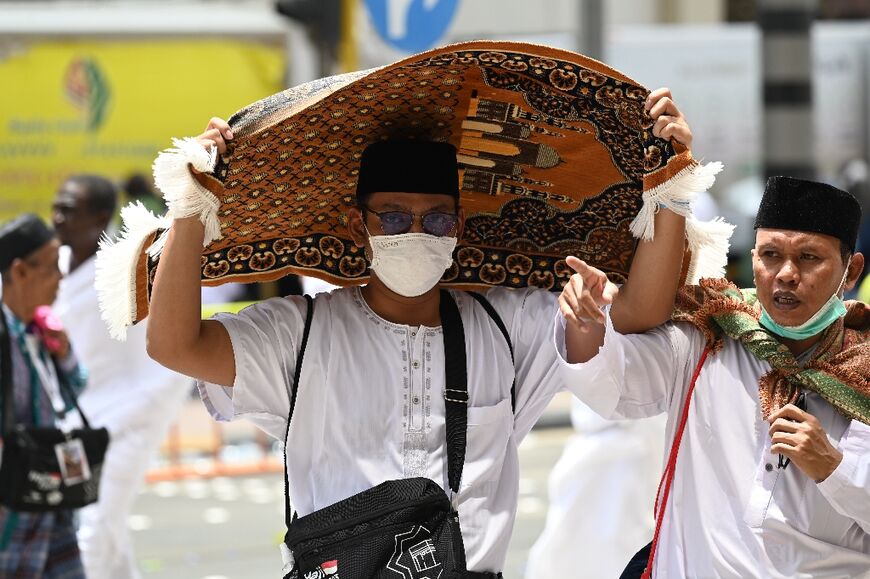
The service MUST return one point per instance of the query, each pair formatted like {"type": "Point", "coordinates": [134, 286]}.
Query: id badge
{"type": "Point", "coordinates": [74, 467]}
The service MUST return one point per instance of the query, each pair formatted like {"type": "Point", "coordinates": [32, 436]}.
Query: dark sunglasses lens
{"type": "Point", "coordinates": [395, 222]}
{"type": "Point", "coordinates": [439, 223]}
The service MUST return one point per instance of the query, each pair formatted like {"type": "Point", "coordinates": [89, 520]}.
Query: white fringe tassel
{"type": "Point", "coordinates": [708, 241]}
{"type": "Point", "coordinates": [116, 261]}
{"type": "Point", "coordinates": [183, 194]}
{"type": "Point", "coordinates": [185, 197]}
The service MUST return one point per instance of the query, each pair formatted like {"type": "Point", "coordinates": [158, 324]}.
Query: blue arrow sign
{"type": "Point", "coordinates": [412, 25]}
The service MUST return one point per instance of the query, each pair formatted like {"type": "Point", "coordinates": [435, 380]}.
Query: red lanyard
{"type": "Point", "coordinates": [668, 474]}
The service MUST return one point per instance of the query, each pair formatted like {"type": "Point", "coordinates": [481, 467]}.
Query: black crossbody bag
{"type": "Point", "coordinates": [400, 529]}
{"type": "Point", "coordinates": [31, 476]}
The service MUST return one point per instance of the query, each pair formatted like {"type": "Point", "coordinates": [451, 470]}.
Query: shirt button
{"type": "Point", "coordinates": [416, 400]}
{"type": "Point", "coordinates": [768, 467]}
{"type": "Point", "coordinates": [416, 364]}
{"type": "Point", "coordinates": [414, 334]}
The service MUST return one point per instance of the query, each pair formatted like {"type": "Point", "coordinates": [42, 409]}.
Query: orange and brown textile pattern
{"type": "Point", "coordinates": [553, 148]}
{"type": "Point", "coordinates": [839, 369]}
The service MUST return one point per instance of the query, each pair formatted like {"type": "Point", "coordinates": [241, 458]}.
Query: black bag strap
{"type": "Point", "coordinates": [288, 514]}
{"type": "Point", "coordinates": [67, 389]}
{"type": "Point", "coordinates": [507, 338]}
{"type": "Point", "coordinates": [6, 375]}
{"type": "Point", "coordinates": [455, 396]}
{"type": "Point", "coordinates": [456, 388]}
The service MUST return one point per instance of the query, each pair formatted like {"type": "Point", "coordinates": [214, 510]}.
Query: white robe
{"type": "Point", "coordinates": [601, 494]}
{"type": "Point", "coordinates": [136, 399]}
{"type": "Point", "coordinates": [371, 402]}
{"type": "Point", "coordinates": [732, 513]}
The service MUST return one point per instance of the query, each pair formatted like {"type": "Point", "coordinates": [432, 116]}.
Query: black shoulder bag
{"type": "Point", "coordinates": [42, 468]}
{"type": "Point", "coordinates": [407, 528]}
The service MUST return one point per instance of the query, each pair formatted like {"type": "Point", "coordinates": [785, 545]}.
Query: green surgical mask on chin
{"type": "Point", "coordinates": [830, 312]}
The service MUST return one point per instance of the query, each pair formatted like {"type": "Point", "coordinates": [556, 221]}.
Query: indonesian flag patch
{"type": "Point", "coordinates": [329, 567]}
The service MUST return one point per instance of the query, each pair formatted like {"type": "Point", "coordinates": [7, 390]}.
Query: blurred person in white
{"type": "Point", "coordinates": [602, 489]}
{"type": "Point", "coordinates": [128, 393]}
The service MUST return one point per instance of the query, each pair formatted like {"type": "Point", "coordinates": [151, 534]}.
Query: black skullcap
{"type": "Point", "coordinates": [408, 166]}
{"type": "Point", "coordinates": [800, 205]}
{"type": "Point", "coordinates": [21, 237]}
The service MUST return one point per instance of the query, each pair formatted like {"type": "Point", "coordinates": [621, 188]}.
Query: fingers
{"type": "Point", "coordinates": [591, 275]}
{"type": "Point", "coordinates": [673, 127]}
{"type": "Point", "coordinates": [590, 289]}
{"type": "Point", "coordinates": [570, 293]}
{"type": "Point", "coordinates": [655, 96]}
{"type": "Point", "coordinates": [567, 310]}
{"type": "Point", "coordinates": [669, 121]}
{"type": "Point", "coordinates": [213, 138]}
{"type": "Point", "coordinates": [576, 264]}
{"type": "Point", "coordinates": [785, 425]}
{"type": "Point", "coordinates": [790, 439]}
{"type": "Point", "coordinates": [216, 134]}
{"type": "Point", "coordinates": [785, 449]}
{"type": "Point", "coordinates": [579, 297]}
{"type": "Point", "coordinates": [791, 412]}
{"type": "Point", "coordinates": [222, 126]}
{"type": "Point", "coordinates": [588, 309]}
{"type": "Point", "coordinates": [664, 106]}
{"type": "Point", "coordinates": [569, 315]}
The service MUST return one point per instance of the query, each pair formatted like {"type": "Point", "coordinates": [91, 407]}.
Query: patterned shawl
{"type": "Point", "coordinates": [839, 369]}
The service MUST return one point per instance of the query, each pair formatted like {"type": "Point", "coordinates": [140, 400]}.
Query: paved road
{"type": "Point", "coordinates": [230, 528]}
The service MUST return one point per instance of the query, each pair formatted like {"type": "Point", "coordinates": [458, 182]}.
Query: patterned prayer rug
{"type": "Point", "coordinates": [555, 153]}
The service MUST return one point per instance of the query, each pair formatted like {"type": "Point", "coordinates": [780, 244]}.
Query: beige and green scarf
{"type": "Point", "coordinates": [839, 369]}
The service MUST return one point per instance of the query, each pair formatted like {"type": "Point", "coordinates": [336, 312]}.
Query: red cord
{"type": "Point", "coordinates": [670, 468]}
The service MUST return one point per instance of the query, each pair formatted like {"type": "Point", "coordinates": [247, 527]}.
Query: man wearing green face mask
{"type": "Point", "coordinates": [753, 381]}
{"type": "Point", "coordinates": [788, 220]}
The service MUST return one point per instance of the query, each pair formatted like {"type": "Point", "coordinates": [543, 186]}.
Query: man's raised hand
{"type": "Point", "coordinates": [584, 295]}
{"type": "Point", "coordinates": [216, 134]}
{"type": "Point", "coordinates": [669, 121]}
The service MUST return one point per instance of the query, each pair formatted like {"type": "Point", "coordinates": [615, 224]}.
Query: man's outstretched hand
{"type": "Point", "coordinates": [585, 294]}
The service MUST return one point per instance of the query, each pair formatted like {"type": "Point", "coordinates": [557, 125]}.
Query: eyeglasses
{"type": "Point", "coordinates": [436, 223]}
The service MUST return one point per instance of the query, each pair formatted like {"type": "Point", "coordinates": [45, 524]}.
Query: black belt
{"type": "Point", "coordinates": [483, 575]}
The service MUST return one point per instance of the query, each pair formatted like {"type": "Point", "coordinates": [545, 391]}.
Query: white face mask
{"type": "Point", "coordinates": [410, 264]}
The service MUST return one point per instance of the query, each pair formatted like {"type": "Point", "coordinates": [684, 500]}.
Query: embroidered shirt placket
{"type": "Point", "coordinates": [767, 473]}
{"type": "Point", "coordinates": [415, 452]}
{"type": "Point", "coordinates": [766, 477]}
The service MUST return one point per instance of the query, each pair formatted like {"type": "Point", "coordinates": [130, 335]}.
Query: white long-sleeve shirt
{"type": "Point", "coordinates": [732, 512]}
{"type": "Point", "coordinates": [371, 400]}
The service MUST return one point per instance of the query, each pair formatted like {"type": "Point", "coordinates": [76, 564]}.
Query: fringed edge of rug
{"type": "Point", "coordinates": [184, 195]}
{"type": "Point", "coordinates": [708, 241]}
{"type": "Point", "coordinates": [116, 262]}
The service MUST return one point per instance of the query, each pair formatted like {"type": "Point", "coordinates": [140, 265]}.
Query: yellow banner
{"type": "Point", "coordinates": [108, 107]}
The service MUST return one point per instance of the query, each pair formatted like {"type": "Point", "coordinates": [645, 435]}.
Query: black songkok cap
{"type": "Point", "coordinates": [21, 237]}
{"type": "Point", "coordinates": [408, 166]}
{"type": "Point", "coordinates": [801, 205]}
